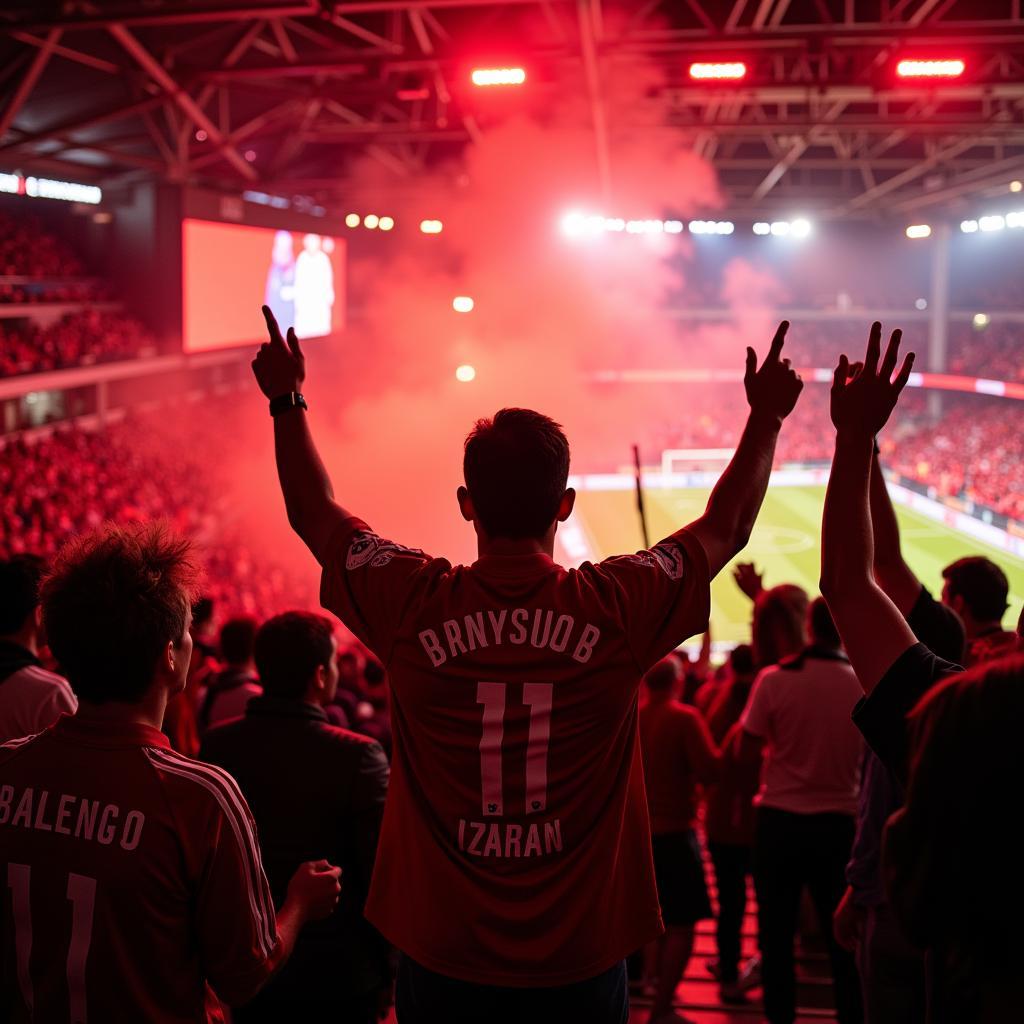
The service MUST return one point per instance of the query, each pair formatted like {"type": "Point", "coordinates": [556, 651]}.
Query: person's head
{"type": "Point", "coordinates": [741, 662]}
{"type": "Point", "coordinates": [778, 629]}
{"type": "Point", "coordinates": [202, 616]}
{"type": "Point", "coordinates": [117, 608]}
{"type": "Point", "coordinates": [663, 679]}
{"type": "Point", "coordinates": [295, 657]}
{"type": "Point", "coordinates": [976, 589]}
{"type": "Point", "coordinates": [350, 669]}
{"type": "Point", "coordinates": [516, 467]}
{"type": "Point", "coordinates": [19, 598]}
{"type": "Point", "coordinates": [821, 627]}
{"type": "Point", "coordinates": [237, 637]}
{"type": "Point", "coordinates": [282, 254]}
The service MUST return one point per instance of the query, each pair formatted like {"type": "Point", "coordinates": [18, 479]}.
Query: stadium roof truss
{"type": "Point", "coordinates": [282, 96]}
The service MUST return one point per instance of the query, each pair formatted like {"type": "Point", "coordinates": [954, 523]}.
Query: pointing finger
{"type": "Point", "coordinates": [293, 343]}
{"type": "Point", "coordinates": [272, 329]}
{"type": "Point", "coordinates": [777, 341]}
{"type": "Point", "coordinates": [751, 367]}
{"type": "Point", "coordinates": [874, 348]}
{"type": "Point", "coordinates": [842, 371]}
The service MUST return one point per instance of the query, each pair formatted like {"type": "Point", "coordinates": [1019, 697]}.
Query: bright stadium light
{"type": "Point", "coordinates": [386, 223]}
{"type": "Point", "coordinates": [371, 220]}
{"type": "Point", "coordinates": [673, 227]}
{"type": "Point", "coordinates": [1016, 186]}
{"type": "Point", "coordinates": [711, 227]}
{"type": "Point", "coordinates": [465, 373]}
{"type": "Point", "coordinates": [968, 227]}
{"type": "Point", "coordinates": [780, 227]}
{"type": "Point", "coordinates": [921, 304]}
{"type": "Point", "coordinates": [352, 220]}
{"type": "Point", "coordinates": [930, 68]}
{"type": "Point", "coordinates": [918, 230]}
{"type": "Point", "coordinates": [994, 222]}
{"type": "Point", "coordinates": [498, 76]}
{"type": "Point", "coordinates": [800, 228]}
{"type": "Point", "coordinates": [722, 71]}
{"type": "Point", "coordinates": [762, 227]}
{"type": "Point", "coordinates": [980, 320]}
{"type": "Point", "coordinates": [462, 304]}
{"type": "Point", "coordinates": [431, 227]}
{"type": "Point", "coordinates": [1015, 219]}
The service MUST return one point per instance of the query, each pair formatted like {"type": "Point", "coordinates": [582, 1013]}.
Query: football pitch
{"type": "Point", "coordinates": [785, 546]}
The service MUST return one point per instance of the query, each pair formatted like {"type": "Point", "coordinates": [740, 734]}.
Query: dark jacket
{"type": "Point", "coordinates": [316, 791]}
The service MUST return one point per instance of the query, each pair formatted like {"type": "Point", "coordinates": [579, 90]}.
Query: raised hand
{"type": "Point", "coordinates": [279, 367]}
{"type": "Point", "coordinates": [748, 579]}
{"type": "Point", "coordinates": [864, 395]}
{"type": "Point", "coordinates": [774, 389]}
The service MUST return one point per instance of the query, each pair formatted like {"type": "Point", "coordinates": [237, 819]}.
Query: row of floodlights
{"type": "Point", "coordinates": [993, 222]}
{"type": "Point", "coordinates": [736, 70]}
{"type": "Point", "coordinates": [370, 221]}
{"type": "Point", "coordinates": [577, 225]}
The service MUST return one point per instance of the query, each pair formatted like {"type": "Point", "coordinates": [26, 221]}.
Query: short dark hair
{"type": "Point", "coordinates": [516, 467]}
{"type": "Point", "coordinates": [982, 585]}
{"type": "Point", "coordinates": [19, 591]}
{"type": "Point", "coordinates": [741, 660]}
{"type": "Point", "coordinates": [202, 611]}
{"type": "Point", "coordinates": [664, 675]}
{"type": "Point", "coordinates": [289, 648]}
{"type": "Point", "coordinates": [237, 637]}
{"type": "Point", "coordinates": [779, 627]}
{"type": "Point", "coordinates": [822, 626]}
{"type": "Point", "coordinates": [112, 602]}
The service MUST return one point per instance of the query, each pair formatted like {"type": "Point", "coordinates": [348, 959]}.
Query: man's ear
{"type": "Point", "coordinates": [566, 505]}
{"type": "Point", "coordinates": [465, 504]}
{"type": "Point", "coordinates": [170, 657]}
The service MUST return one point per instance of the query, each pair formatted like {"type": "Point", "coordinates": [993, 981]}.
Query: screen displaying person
{"type": "Point", "coordinates": [280, 293]}
{"type": "Point", "coordinates": [314, 289]}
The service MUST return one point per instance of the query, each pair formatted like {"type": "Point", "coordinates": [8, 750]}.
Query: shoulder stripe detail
{"type": "Point", "coordinates": [230, 802]}
{"type": "Point", "coordinates": [20, 741]}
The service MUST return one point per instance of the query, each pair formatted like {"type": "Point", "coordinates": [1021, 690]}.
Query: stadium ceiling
{"type": "Point", "coordinates": [282, 96]}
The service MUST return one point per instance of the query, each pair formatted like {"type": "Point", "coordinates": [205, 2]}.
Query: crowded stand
{"type": "Point", "coordinates": [84, 338]}
{"type": "Point", "coordinates": [992, 352]}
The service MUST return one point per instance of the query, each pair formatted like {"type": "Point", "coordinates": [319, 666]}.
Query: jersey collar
{"type": "Point", "coordinates": [98, 732]}
{"type": "Point", "coordinates": [515, 566]}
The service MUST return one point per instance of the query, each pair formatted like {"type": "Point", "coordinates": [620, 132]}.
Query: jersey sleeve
{"type": "Point", "coordinates": [664, 595]}
{"type": "Point", "coordinates": [235, 912]}
{"type": "Point", "coordinates": [367, 582]}
{"type": "Point", "coordinates": [756, 717]}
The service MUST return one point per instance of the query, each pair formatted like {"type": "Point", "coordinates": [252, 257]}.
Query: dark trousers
{"type": "Point", "coordinates": [792, 851]}
{"type": "Point", "coordinates": [425, 997]}
{"type": "Point", "coordinates": [892, 973]}
{"type": "Point", "coordinates": [732, 865]}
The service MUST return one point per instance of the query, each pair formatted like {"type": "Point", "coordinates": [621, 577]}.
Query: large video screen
{"type": "Point", "coordinates": [230, 270]}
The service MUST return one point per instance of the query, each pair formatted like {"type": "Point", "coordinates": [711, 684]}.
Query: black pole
{"type": "Point", "coordinates": [640, 497]}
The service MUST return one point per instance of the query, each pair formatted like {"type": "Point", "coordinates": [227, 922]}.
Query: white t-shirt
{"type": "Point", "coordinates": [31, 700]}
{"type": "Point", "coordinates": [801, 709]}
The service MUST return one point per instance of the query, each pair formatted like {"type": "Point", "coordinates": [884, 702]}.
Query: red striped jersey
{"type": "Point", "coordinates": [515, 848]}
{"type": "Point", "coordinates": [131, 880]}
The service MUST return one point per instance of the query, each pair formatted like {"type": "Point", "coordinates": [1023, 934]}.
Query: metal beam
{"type": "Point", "coordinates": [28, 81]}
{"type": "Point", "coordinates": [588, 50]}
{"type": "Point", "coordinates": [188, 106]}
{"type": "Point", "coordinates": [186, 14]}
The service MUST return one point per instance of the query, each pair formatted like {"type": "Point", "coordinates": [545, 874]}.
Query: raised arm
{"type": "Point", "coordinates": [892, 573]}
{"type": "Point", "coordinates": [280, 369]}
{"type": "Point", "coordinates": [874, 632]}
{"type": "Point", "coordinates": [772, 391]}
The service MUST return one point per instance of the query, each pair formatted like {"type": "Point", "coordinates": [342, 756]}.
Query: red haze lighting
{"type": "Point", "coordinates": [498, 76]}
{"type": "Point", "coordinates": [732, 71]}
{"type": "Point", "coordinates": [930, 68]}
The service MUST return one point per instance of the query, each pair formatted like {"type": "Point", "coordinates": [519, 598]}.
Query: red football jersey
{"type": "Point", "coordinates": [131, 878]}
{"type": "Point", "coordinates": [515, 847]}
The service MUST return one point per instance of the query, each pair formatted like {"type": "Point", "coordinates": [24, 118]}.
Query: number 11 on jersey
{"type": "Point", "coordinates": [493, 697]}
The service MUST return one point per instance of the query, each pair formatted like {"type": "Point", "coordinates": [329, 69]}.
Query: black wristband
{"type": "Point", "coordinates": [282, 403]}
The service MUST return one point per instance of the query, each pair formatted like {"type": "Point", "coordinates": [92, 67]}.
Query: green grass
{"type": "Point", "coordinates": [785, 545]}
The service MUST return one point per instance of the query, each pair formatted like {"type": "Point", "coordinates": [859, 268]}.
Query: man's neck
{"type": "Point", "coordinates": [974, 629]}
{"type": "Point", "coordinates": [26, 638]}
{"type": "Point", "coordinates": [149, 711]}
{"type": "Point", "coordinates": [516, 546]}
